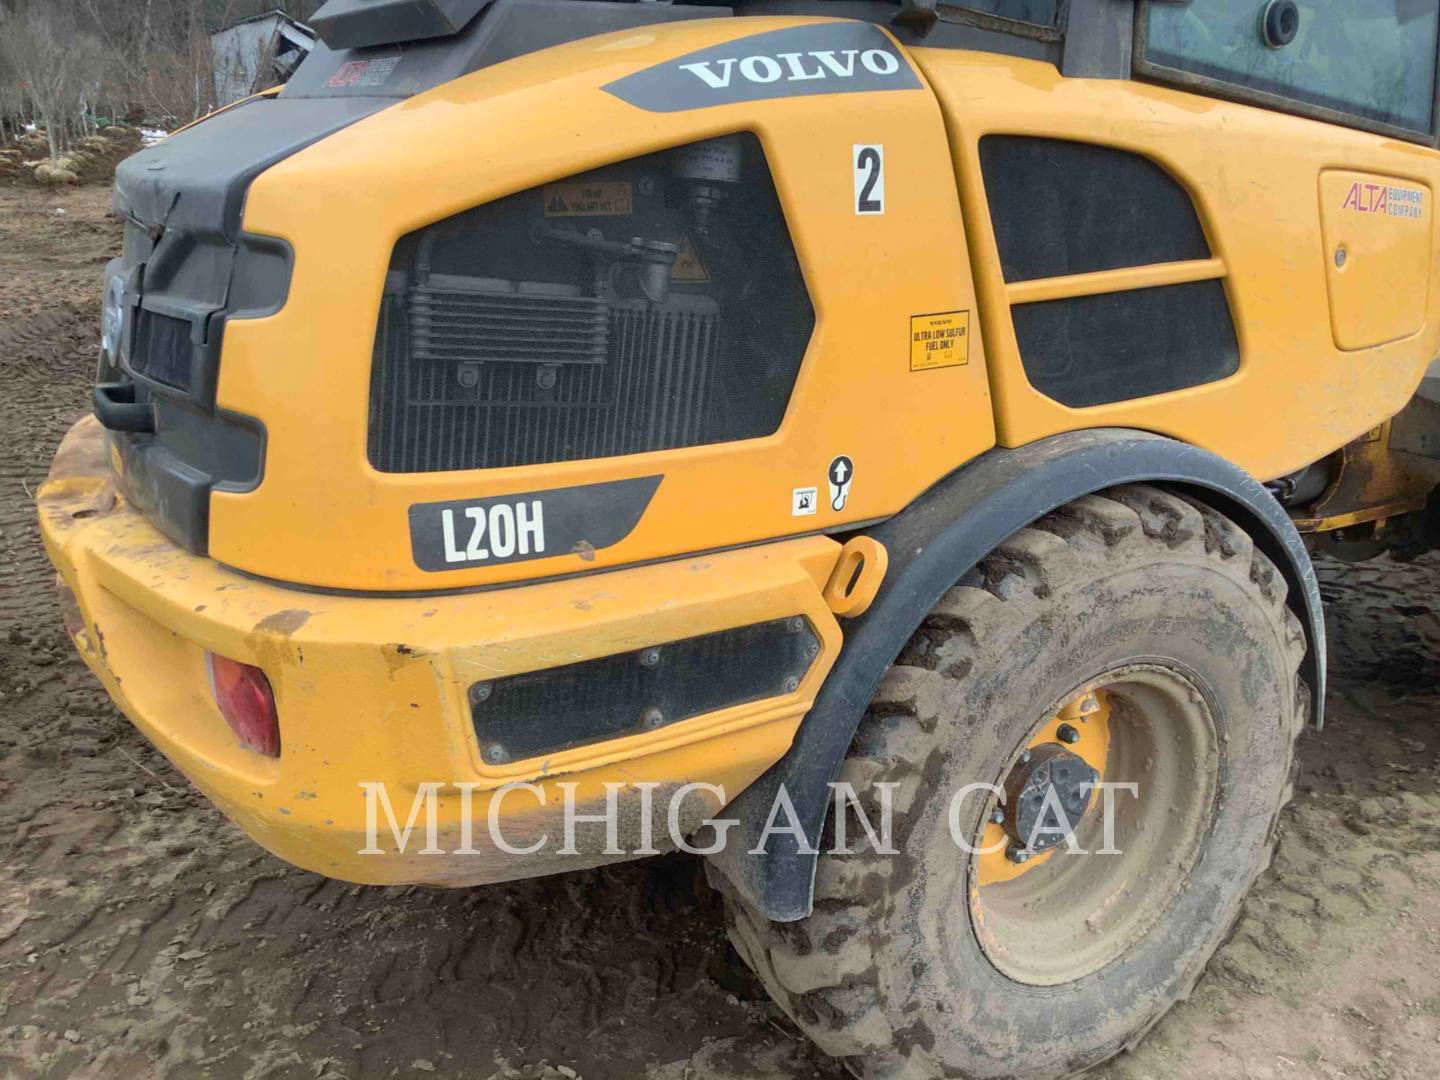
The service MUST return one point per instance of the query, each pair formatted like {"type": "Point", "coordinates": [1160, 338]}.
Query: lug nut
{"type": "Point", "coordinates": [791, 685]}
{"type": "Point", "coordinates": [479, 692]}
{"type": "Point", "coordinates": [652, 718]}
{"type": "Point", "coordinates": [495, 754]}
{"type": "Point", "coordinates": [797, 624]}
{"type": "Point", "coordinates": [650, 658]}
{"type": "Point", "coordinates": [1068, 734]}
{"type": "Point", "coordinates": [1018, 853]}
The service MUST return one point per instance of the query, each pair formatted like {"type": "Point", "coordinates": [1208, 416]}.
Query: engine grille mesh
{"type": "Point", "coordinates": [484, 376]}
{"type": "Point", "coordinates": [453, 319]}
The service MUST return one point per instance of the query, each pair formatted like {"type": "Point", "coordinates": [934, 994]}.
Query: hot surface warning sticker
{"type": "Point", "coordinates": [688, 264]}
{"type": "Point", "coordinates": [939, 341]}
{"type": "Point", "coordinates": [598, 198]}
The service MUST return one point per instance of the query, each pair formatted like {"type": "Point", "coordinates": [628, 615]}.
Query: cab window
{"type": "Point", "coordinates": [1368, 62]}
{"type": "Point", "coordinates": [1039, 12]}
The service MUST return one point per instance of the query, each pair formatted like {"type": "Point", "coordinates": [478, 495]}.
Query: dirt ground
{"type": "Point", "coordinates": [141, 935]}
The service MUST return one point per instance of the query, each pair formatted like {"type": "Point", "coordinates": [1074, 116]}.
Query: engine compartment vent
{"type": "Point", "coordinates": [480, 320]}
{"type": "Point", "coordinates": [631, 378]}
{"type": "Point", "coordinates": [651, 305]}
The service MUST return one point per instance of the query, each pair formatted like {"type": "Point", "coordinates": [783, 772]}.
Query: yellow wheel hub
{"type": "Point", "coordinates": [1082, 726]}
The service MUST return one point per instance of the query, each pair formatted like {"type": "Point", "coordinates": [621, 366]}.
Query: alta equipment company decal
{"type": "Point", "coordinates": [1388, 200]}
{"type": "Point", "coordinates": [798, 61]}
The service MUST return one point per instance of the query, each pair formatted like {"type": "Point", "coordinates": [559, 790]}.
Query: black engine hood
{"type": "Point", "coordinates": [197, 178]}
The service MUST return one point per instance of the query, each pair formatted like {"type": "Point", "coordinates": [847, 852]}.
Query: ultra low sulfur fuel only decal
{"type": "Point", "coordinates": [820, 58]}
{"type": "Point", "coordinates": [530, 525]}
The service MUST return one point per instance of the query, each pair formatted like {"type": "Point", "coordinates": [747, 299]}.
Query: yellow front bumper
{"type": "Point", "coordinates": [372, 689]}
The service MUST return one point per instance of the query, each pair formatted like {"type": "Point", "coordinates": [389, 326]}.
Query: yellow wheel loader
{"type": "Point", "coordinates": [876, 445]}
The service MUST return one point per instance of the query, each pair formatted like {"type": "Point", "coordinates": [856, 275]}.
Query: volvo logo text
{"type": "Point", "coordinates": [839, 57]}
{"type": "Point", "coordinates": [794, 66]}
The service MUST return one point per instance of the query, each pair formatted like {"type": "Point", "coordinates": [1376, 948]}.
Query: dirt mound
{"type": "Point", "coordinates": [90, 161]}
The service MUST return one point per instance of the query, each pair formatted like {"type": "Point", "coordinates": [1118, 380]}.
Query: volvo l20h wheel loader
{"type": "Point", "coordinates": [875, 445]}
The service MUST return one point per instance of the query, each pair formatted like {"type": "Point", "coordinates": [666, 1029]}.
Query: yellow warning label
{"type": "Point", "coordinates": [598, 198]}
{"type": "Point", "coordinates": [688, 265]}
{"type": "Point", "coordinates": [939, 341]}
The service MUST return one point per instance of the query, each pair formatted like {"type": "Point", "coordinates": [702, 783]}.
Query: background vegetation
{"type": "Point", "coordinates": [69, 66]}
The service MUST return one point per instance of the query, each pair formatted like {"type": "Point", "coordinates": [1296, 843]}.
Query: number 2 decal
{"type": "Point", "coordinates": [869, 164]}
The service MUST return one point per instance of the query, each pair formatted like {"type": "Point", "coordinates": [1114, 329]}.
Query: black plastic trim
{"type": "Point", "coordinates": [344, 24]}
{"type": "Point", "coordinates": [502, 31]}
{"type": "Point", "coordinates": [559, 708]}
{"type": "Point", "coordinates": [1099, 37]}
{"type": "Point", "coordinates": [117, 409]}
{"type": "Point", "coordinates": [169, 473]}
{"type": "Point", "coordinates": [932, 544]}
{"type": "Point", "coordinates": [255, 283]}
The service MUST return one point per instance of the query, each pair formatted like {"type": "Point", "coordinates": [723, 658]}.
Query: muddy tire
{"type": "Point", "coordinates": [909, 968]}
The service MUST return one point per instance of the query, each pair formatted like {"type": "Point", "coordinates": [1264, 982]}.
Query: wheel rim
{"type": "Point", "coordinates": [1058, 916]}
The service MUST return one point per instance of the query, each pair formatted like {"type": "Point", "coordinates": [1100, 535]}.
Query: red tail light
{"type": "Point", "coordinates": [243, 693]}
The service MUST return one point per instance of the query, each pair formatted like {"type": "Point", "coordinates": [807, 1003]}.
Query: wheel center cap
{"type": "Point", "coordinates": [1046, 795]}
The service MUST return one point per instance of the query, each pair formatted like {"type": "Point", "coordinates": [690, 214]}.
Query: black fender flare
{"type": "Point", "coordinates": [932, 543]}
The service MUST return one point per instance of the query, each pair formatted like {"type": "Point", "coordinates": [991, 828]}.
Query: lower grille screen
{"type": "Point", "coordinates": [543, 712]}
{"type": "Point", "coordinates": [161, 349]}
{"type": "Point", "coordinates": [650, 305]}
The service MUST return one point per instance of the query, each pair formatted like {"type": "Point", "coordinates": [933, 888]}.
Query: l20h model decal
{"type": "Point", "coordinates": [820, 58]}
{"type": "Point", "coordinates": [463, 533]}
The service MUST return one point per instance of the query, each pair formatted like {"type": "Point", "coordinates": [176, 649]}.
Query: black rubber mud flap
{"type": "Point", "coordinates": [932, 544]}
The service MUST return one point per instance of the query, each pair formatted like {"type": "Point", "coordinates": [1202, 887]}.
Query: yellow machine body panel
{"type": "Point", "coordinates": [1379, 233]}
{"type": "Point", "coordinates": [373, 691]}
{"type": "Point", "coordinates": [1302, 389]}
{"type": "Point", "coordinates": [1326, 352]}
{"type": "Point", "coordinates": [344, 202]}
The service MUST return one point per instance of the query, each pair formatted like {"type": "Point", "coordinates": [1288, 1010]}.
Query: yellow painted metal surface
{"type": "Point", "coordinates": [1089, 714]}
{"type": "Point", "coordinates": [1371, 482]}
{"type": "Point", "coordinates": [374, 689]}
{"type": "Point", "coordinates": [1379, 237]}
{"type": "Point", "coordinates": [323, 516]}
{"type": "Point", "coordinates": [1253, 176]}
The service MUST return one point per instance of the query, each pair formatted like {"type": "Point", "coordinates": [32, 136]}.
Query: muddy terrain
{"type": "Point", "coordinates": [141, 935]}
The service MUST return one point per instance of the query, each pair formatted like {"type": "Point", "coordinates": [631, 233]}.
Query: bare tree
{"type": "Point", "coordinates": [36, 45]}
{"type": "Point", "coordinates": [67, 61]}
